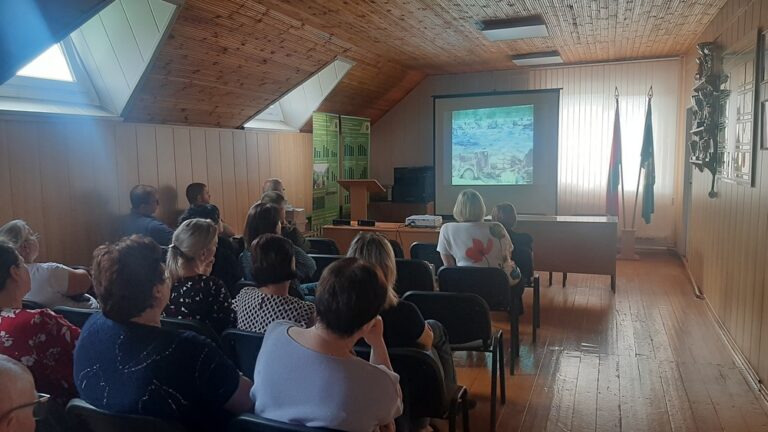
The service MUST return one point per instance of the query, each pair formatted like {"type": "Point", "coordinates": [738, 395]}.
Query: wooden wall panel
{"type": "Point", "coordinates": [70, 179]}
{"type": "Point", "coordinates": [726, 247]}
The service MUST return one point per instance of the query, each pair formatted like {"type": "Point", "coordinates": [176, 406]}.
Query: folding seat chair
{"type": "Point", "coordinates": [254, 423]}
{"type": "Point", "coordinates": [413, 275]}
{"type": "Point", "coordinates": [397, 249]}
{"type": "Point", "coordinates": [423, 387]}
{"type": "Point", "coordinates": [76, 317]}
{"type": "Point", "coordinates": [427, 252]}
{"type": "Point", "coordinates": [492, 285]}
{"type": "Point", "coordinates": [323, 261]}
{"type": "Point", "coordinates": [84, 417]}
{"type": "Point", "coordinates": [322, 246]}
{"type": "Point", "coordinates": [242, 347]}
{"type": "Point", "coordinates": [467, 321]}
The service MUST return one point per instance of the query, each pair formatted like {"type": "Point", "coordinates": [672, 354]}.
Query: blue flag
{"type": "Point", "coordinates": [648, 164]}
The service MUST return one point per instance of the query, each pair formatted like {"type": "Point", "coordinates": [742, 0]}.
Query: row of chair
{"type": "Point", "coordinates": [420, 251]}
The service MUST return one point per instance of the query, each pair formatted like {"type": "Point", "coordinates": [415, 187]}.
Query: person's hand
{"type": "Point", "coordinates": [375, 335]}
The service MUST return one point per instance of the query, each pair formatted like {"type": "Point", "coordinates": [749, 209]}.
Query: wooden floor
{"type": "Point", "coordinates": [648, 358]}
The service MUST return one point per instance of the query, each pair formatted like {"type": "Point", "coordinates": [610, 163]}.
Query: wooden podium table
{"type": "Point", "coordinates": [358, 195]}
{"type": "Point", "coordinates": [567, 244]}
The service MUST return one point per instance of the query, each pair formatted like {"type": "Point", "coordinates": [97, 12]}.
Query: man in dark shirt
{"type": "Point", "coordinates": [198, 195]}
{"type": "Point", "coordinates": [144, 204]}
{"type": "Point", "coordinates": [288, 230]}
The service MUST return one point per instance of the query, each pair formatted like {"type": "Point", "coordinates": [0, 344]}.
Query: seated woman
{"type": "Point", "coordinates": [274, 267]}
{"type": "Point", "coordinates": [226, 265]}
{"type": "Point", "coordinates": [52, 284]}
{"type": "Point", "coordinates": [403, 324]}
{"type": "Point", "coordinates": [522, 252]}
{"type": "Point", "coordinates": [126, 363]}
{"type": "Point", "coordinates": [195, 294]}
{"type": "Point", "coordinates": [43, 341]}
{"type": "Point", "coordinates": [265, 219]}
{"type": "Point", "coordinates": [473, 242]}
{"type": "Point", "coordinates": [335, 389]}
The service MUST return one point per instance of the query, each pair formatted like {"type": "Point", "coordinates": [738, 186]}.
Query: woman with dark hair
{"type": "Point", "coordinates": [274, 267]}
{"type": "Point", "coordinates": [195, 294]}
{"type": "Point", "coordinates": [40, 339]}
{"type": "Point", "coordinates": [226, 266]}
{"type": "Point", "coordinates": [337, 390]}
{"type": "Point", "coordinates": [126, 363]}
{"type": "Point", "coordinates": [265, 219]}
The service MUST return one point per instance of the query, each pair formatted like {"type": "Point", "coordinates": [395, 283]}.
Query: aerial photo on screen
{"type": "Point", "coordinates": [492, 146]}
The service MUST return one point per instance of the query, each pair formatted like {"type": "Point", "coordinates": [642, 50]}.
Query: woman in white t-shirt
{"type": "Point", "coordinates": [473, 242]}
{"type": "Point", "coordinates": [53, 284]}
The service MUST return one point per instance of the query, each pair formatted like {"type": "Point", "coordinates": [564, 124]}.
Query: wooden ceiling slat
{"type": "Point", "coordinates": [227, 59]}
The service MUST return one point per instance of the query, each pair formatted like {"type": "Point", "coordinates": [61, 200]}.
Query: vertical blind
{"type": "Point", "coordinates": [587, 108]}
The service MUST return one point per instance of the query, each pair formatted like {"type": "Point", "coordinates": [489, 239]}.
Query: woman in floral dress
{"type": "Point", "coordinates": [40, 339]}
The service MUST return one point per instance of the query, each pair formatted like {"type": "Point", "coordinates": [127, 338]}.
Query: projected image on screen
{"type": "Point", "coordinates": [492, 146]}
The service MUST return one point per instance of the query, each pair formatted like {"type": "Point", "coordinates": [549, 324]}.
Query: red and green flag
{"type": "Point", "coordinates": [614, 168]}
{"type": "Point", "coordinates": [648, 164]}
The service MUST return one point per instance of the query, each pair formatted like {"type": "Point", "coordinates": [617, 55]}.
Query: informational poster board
{"type": "Point", "coordinates": [325, 148]}
{"type": "Point", "coordinates": [356, 140]}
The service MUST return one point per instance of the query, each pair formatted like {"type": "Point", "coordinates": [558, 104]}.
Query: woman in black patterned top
{"type": "Point", "coordinates": [195, 294]}
{"type": "Point", "coordinates": [274, 267]}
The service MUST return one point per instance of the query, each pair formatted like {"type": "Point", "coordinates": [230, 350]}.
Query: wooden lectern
{"type": "Point", "coordinates": [358, 195]}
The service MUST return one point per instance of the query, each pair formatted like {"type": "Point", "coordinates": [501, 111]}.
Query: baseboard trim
{"type": "Point", "coordinates": [696, 290]}
{"type": "Point", "coordinates": [750, 376]}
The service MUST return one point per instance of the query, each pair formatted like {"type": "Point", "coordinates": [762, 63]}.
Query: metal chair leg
{"type": "Point", "coordinates": [494, 377]}
{"type": "Point", "coordinates": [550, 278]}
{"type": "Point", "coordinates": [502, 374]}
{"type": "Point", "coordinates": [465, 416]}
{"type": "Point", "coordinates": [565, 278]}
{"type": "Point", "coordinates": [536, 308]}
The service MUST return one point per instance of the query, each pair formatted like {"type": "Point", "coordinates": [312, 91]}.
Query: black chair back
{"type": "Point", "coordinates": [466, 317]}
{"type": "Point", "coordinates": [490, 283]}
{"type": "Point", "coordinates": [413, 275]}
{"type": "Point", "coordinates": [254, 423]}
{"type": "Point", "coordinates": [194, 326]}
{"type": "Point", "coordinates": [87, 418]}
{"type": "Point", "coordinates": [427, 252]}
{"type": "Point", "coordinates": [323, 246]}
{"type": "Point", "coordinates": [421, 381]}
{"type": "Point", "coordinates": [31, 305]}
{"type": "Point", "coordinates": [239, 287]}
{"type": "Point", "coordinates": [323, 261]}
{"type": "Point", "coordinates": [76, 317]}
{"type": "Point", "coordinates": [242, 348]}
{"type": "Point", "coordinates": [397, 249]}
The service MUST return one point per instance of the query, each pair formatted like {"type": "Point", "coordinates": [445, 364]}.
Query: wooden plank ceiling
{"type": "Point", "coordinates": [225, 60]}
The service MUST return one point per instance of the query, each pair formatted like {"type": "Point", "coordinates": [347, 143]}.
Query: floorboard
{"type": "Point", "coordinates": [648, 358]}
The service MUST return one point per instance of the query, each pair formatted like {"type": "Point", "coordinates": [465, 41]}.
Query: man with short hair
{"type": "Point", "coordinates": [144, 204]}
{"type": "Point", "coordinates": [288, 229]}
{"type": "Point", "coordinates": [198, 195]}
{"type": "Point", "coordinates": [18, 397]}
{"type": "Point", "coordinates": [273, 185]}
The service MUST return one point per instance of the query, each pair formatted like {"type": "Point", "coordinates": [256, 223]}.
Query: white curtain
{"type": "Point", "coordinates": [586, 126]}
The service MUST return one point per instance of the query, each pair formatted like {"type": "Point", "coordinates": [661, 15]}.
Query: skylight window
{"type": "Point", "coordinates": [50, 65]}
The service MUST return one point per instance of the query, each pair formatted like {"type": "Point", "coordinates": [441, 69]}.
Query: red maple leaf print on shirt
{"type": "Point", "coordinates": [477, 252]}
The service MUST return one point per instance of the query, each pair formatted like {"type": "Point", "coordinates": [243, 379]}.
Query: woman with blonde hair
{"type": "Point", "coordinates": [194, 293]}
{"type": "Point", "coordinates": [473, 242]}
{"type": "Point", "coordinates": [403, 324]}
{"type": "Point", "coordinates": [53, 284]}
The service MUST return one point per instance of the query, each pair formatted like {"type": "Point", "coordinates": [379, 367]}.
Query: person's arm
{"type": "Point", "coordinates": [161, 233]}
{"type": "Point", "coordinates": [241, 402]}
{"type": "Point", "coordinates": [448, 260]}
{"type": "Point", "coordinates": [305, 265]}
{"type": "Point", "coordinates": [425, 340]}
{"type": "Point", "coordinates": [375, 338]}
{"type": "Point", "coordinates": [78, 282]}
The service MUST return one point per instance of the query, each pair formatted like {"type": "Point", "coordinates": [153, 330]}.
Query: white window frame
{"type": "Point", "coordinates": [79, 92]}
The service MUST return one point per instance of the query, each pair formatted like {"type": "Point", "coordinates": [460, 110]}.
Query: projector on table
{"type": "Point", "coordinates": [424, 221]}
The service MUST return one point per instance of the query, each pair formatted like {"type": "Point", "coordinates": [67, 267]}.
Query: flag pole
{"type": "Point", "coordinates": [621, 173]}
{"type": "Point", "coordinates": [639, 172]}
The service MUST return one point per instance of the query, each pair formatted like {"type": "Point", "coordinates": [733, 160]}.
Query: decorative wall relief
{"type": "Point", "coordinates": [706, 132]}
{"type": "Point", "coordinates": [739, 117]}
